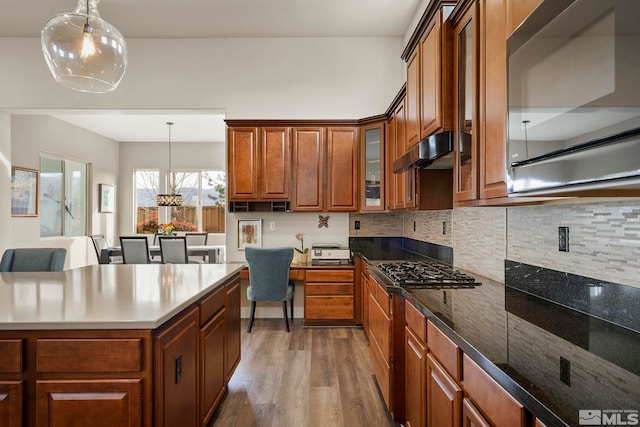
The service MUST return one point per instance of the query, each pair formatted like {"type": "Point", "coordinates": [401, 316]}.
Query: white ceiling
{"type": "Point", "coordinates": [206, 18]}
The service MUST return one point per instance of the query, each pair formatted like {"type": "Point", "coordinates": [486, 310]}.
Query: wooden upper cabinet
{"type": "Point", "coordinates": [465, 50]}
{"type": "Point", "coordinates": [372, 172]}
{"type": "Point", "coordinates": [275, 160]}
{"type": "Point", "coordinates": [242, 167]}
{"type": "Point", "coordinates": [436, 100]}
{"type": "Point", "coordinates": [341, 189]}
{"type": "Point", "coordinates": [517, 12]}
{"type": "Point", "coordinates": [412, 102]}
{"type": "Point", "coordinates": [308, 170]}
{"type": "Point", "coordinates": [258, 163]}
{"type": "Point", "coordinates": [493, 99]}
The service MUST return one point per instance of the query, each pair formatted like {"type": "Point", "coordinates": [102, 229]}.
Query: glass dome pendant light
{"type": "Point", "coordinates": [83, 51]}
{"type": "Point", "coordinates": [169, 199]}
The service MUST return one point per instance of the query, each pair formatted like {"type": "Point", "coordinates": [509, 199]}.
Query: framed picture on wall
{"type": "Point", "coordinates": [249, 233]}
{"type": "Point", "coordinates": [24, 192]}
{"type": "Point", "coordinates": [107, 198]}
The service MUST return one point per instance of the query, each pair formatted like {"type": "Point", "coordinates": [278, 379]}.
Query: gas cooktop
{"type": "Point", "coordinates": [426, 274]}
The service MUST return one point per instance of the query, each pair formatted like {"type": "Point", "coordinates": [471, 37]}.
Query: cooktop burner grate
{"type": "Point", "coordinates": [426, 274]}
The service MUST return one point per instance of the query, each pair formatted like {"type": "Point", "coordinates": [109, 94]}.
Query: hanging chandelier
{"type": "Point", "coordinates": [83, 51]}
{"type": "Point", "coordinates": [169, 199]}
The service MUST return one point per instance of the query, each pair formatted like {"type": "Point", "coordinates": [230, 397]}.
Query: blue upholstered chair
{"type": "Point", "coordinates": [33, 259]}
{"type": "Point", "coordinates": [269, 278]}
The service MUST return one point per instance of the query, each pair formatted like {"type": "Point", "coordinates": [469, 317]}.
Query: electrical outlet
{"type": "Point", "coordinates": [272, 225]}
{"type": "Point", "coordinates": [356, 225]}
{"type": "Point", "coordinates": [565, 371]}
{"type": "Point", "coordinates": [563, 239]}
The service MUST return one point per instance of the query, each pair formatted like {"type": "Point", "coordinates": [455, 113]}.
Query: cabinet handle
{"type": "Point", "coordinates": [178, 369]}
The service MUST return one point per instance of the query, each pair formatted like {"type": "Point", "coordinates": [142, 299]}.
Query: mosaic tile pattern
{"type": "Point", "coordinates": [604, 239]}
{"type": "Point", "coordinates": [429, 226]}
{"type": "Point", "coordinates": [376, 225]}
{"type": "Point", "coordinates": [479, 240]}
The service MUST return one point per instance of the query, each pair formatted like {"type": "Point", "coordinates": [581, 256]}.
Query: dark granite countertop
{"type": "Point", "coordinates": [527, 335]}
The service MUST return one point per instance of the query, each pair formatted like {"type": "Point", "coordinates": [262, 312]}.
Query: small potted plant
{"type": "Point", "coordinates": [302, 253]}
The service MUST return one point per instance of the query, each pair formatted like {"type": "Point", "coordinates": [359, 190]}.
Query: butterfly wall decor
{"type": "Point", "coordinates": [323, 221]}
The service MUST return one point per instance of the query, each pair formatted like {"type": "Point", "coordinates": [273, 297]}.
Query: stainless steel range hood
{"type": "Point", "coordinates": [435, 151]}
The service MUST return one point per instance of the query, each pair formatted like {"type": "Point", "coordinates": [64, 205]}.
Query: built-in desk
{"type": "Point", "coordinates": [330, 294]}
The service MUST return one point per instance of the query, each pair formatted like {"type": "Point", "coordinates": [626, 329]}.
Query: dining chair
{"type": "Point", "coordinates": [33, 259]}
{"type": "Point", "coordinates": [135, 250]}
{"type": "Point", "coordinates": [197, 239]}
{"type": "Point", "coordinates": [173, 250]}
{"type": "Point", "coordinates": [100, 243]}
{"type": "Point", "coordinates": [269, 278]}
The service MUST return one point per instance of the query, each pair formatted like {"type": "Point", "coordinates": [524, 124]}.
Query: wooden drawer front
{"type": "Point", "coordinates": [90, 355]}
{"type": "Point", "coordinates": [329, 289]}
{"type": "Point", "coordinates": [11, 397]}
{"type": "Point", "coordinates": [380, 327]}
{"type": "Point", "coordinates": [382, 370]}
{"type": "Point", "coordinates": [445, 350]}
{"type": "Point", "coordinates": [471, 416]}
{"type": "Point", "coordinates": [211, 304]}
{"type": "Point", "coordinates": [416, 321]}
{"type": "Point", "coordinates": [383, 299]}
{"type": "Point", "coordinates": [116, 403]}
{"type": "Point", "coordinates": [372, 286]}
{"type": "Point", "coordinates": [328, 308]}
{"type": "Point", "coordinates": [329, 275]}
{"type": "Point", "coordinates": [495, 403]}
{"type": "Point", "coordinates": [10, 356]}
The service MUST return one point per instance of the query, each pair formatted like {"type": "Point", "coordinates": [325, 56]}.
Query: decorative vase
{"type": "Point", "coordinates": [304, 258]}
{"type": "Point", "coordinates": [296, 257]}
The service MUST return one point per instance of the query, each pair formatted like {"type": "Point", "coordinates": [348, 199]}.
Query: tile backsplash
{"type": "Point", "coordinates": [604, 237]}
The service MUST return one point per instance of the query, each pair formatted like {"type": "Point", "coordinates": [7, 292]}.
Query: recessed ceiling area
{"type": "Point", "coordinates": [224, 18]}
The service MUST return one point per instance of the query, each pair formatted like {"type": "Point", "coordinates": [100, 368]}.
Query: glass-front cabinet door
{"type": "Point", "coordinates": [372, 194]}
{"type": "Point", "coordinates": [466, 106]}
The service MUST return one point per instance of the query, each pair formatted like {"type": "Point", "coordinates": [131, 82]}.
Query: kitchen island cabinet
{"type": "Point", "coordinates": [118, 343]}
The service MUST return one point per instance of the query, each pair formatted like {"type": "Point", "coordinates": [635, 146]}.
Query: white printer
{"type": "Point", "coordinates": [329, 254]}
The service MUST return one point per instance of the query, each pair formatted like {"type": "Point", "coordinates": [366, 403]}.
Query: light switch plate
{"type": "Point", "coordinates": [563, 239]}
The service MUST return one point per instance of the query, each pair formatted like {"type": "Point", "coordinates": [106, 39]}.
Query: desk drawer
{"type": "Point", "coordinates": [328, 307]}
{"type": "Point", "coordinates": [329, 289]}
{"type": "Point", "coordinates": [89, 355]}
{"type": "Point", "coordinates": [329, 275]}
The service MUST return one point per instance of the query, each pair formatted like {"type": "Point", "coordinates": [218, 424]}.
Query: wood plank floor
{"type": "Point", "coordinates": [309, 377]}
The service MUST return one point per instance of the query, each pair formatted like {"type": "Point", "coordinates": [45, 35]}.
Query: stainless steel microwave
{"type": "Point", "coordinates": [574, 97]}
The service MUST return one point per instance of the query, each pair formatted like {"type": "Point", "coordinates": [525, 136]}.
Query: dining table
{"type": "Point", "coordinates": [213, 253]}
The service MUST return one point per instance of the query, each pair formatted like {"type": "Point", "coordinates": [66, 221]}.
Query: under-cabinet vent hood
{"type": "Point", "coordinates": [435, 152]}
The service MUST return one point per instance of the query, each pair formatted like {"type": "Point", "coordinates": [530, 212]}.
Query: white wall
{"type": "Point", "coordinates": [32, 135]}
{"type": "Point", "coordinates": [251, 78]}
{"type": "Point", "coordinates": [5, 180]}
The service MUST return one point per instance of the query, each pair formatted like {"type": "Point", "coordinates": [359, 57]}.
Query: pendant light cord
{"type": "Point", "coordinates": [170, 189]}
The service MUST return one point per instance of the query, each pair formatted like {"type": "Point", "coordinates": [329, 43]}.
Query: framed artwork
{"type": "Point", "coordinates": [24, 192]}
{"type": "Point", "coordinates": [249, 233]}
{"type": "Point", "coordinates": [107, 198]}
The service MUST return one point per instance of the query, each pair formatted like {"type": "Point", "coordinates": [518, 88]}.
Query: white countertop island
{"type": "Point", "coordinates": [112, 296]}
{"type": "Point", "coordinates": [132, 345]}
